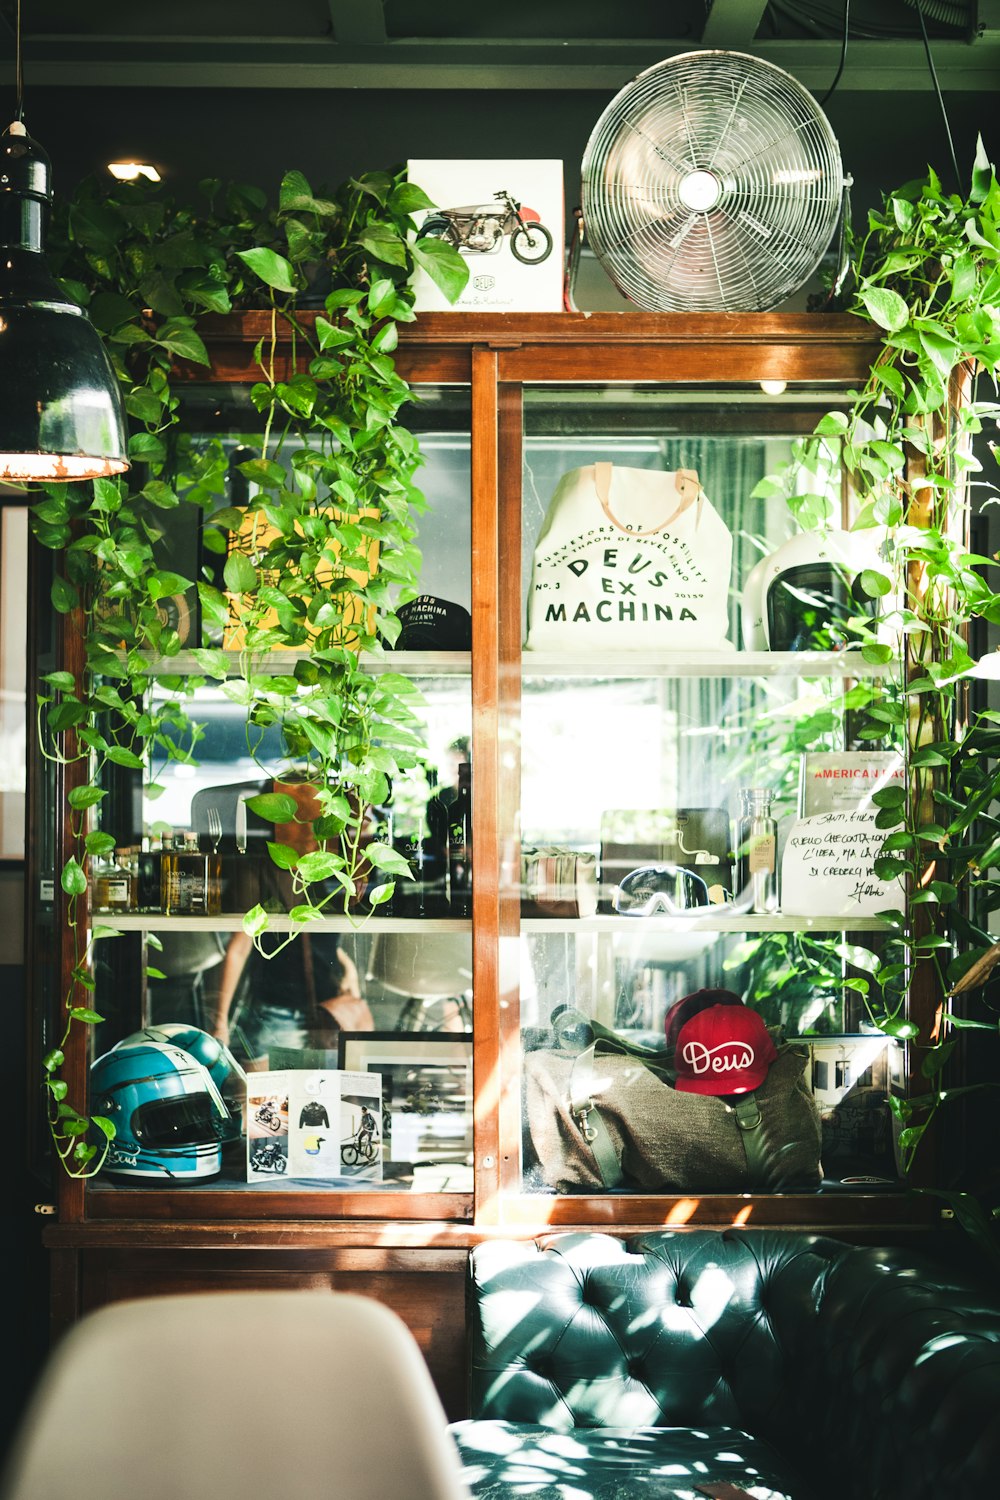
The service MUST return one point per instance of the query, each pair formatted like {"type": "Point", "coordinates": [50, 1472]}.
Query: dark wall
{"type": "Point", "coordinates": [236, 134]}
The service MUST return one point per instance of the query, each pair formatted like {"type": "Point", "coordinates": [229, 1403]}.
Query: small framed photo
{"type": "Point", "coordinates": [426, 1092]}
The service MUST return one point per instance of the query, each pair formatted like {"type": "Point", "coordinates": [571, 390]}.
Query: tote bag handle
{"type": "Point", "coordinates": [685, 482]}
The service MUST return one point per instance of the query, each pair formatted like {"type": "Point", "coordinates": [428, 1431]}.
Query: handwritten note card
{"type": "Point", "coordinates": [828, 868]}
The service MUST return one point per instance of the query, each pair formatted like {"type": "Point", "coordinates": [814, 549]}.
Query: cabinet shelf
{"type": "Point", "coordinates": [410, 663]}
{"type": "Point", "coordinates": [746, 922]}
{"type": "Point", "coordinates": [563, 664]}
{"type": "Point", "coordinates": [701, 664]}
{"type": "Point", "coordinates": [277, 922]}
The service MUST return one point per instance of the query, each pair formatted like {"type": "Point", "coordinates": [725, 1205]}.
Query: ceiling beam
{"type": "Point", "coordinates": [732, 23]}
{"type": "Point", "coordinates": [277, 63]}
{"type": "Point", "coordinates": [358, 21]}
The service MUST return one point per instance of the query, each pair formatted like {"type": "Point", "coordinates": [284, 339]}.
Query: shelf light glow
{"type": "Point", "coordinates": [130, 171]}
{"type": "Point", "coordinates": [773, 387]}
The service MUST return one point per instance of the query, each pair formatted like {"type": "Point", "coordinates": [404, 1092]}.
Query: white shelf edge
{"type": "Point", "coordinates": [746, 923]}
{"type": "Point", "coordinates": [701, 664]}
{"type": "Point", "coordinates": [574, 664]}
{"type": "Point", "coordinates": [409, 663]}
{"type": "Point", "coordinates": [277, 922]}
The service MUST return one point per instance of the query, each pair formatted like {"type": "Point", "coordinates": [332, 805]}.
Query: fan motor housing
{"type": "Point", "coordinates": [712, 182]}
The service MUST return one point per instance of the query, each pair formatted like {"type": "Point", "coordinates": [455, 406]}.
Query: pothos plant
{"type": "Point", "coordinates": [927, 276]}
{"type": "Point", "coordinates": [315, 566]}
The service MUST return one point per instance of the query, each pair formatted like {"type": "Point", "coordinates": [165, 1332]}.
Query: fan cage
{"type": "Point", "coordinates": [712, 182]}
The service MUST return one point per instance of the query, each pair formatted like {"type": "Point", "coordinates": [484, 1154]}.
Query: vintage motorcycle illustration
{"type": "Point", "coordinates": [268, 1157]}
{"type": "Point", "coordinates": [266, 1114]}
{"type": "Point", "coordinates": [480, 228]}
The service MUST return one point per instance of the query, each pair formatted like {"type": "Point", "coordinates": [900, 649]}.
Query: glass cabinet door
{"type": "Point", "coordinates": [661, 779]}
{"type": "Point", "coordinates": [383, 989]}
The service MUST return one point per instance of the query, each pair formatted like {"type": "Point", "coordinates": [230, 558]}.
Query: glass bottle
{"type": "Point", "coordinates": [409, 898]}
{"type": "Point", "coordinates": [757, 850]}
{"type": "Point", "coordinates": [186, 884]}
{"type": "Point", "coordinates": [460, 845]}
{"type": "Point", "coordinates": [150, 855]}
{"type": "Point", "coordinates": [111, 885]}
{"type": "Point", "coordinates": [382, 833]}
{"type": "Point", "coordinates": [166, 865]}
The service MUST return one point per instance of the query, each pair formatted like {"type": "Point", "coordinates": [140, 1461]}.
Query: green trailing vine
{"type": "Point", "coordinates": [316, 567]}
{"type": "Point", "coordinates": [927, 275]}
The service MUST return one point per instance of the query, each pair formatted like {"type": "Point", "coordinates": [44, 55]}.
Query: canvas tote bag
{"type": "Point", "coordinates": [630, 559]}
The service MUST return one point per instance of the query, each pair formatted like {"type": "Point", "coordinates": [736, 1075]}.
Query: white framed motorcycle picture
{"type": "Point", "coordinates": [506, 219]}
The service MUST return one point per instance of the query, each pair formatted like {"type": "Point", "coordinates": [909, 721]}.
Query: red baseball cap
{"type": "Point", "coordinates": [682, 1010]}
{"type": "Point", "coordinates": [723, 1050]}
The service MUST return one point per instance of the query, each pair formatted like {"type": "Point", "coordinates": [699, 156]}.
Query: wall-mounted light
{"type": "Point", "coordinates": [61, 410]}
{"type": "Point", "coordinates": [773, 387]}
{"type": "Point", "coordinates": [131, 171]}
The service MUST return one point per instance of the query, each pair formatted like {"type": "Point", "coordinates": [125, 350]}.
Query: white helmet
{"type": "Point", "coordinates": [801, 597]}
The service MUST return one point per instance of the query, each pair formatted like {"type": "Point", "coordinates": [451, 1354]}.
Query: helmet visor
{"type": "Point", "coordinates": [666, 890]}
{"type": "Point", "coordinates": [182, 1121]}
{"type": "Point", "coordinates": [811, 608]}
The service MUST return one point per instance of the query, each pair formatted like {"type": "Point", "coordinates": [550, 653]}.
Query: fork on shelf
{"type": "Point", "coordinates": [214, 827]}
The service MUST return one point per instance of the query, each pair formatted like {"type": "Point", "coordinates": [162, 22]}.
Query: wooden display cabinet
{"type": "Point", "coordinates": [532, 392]}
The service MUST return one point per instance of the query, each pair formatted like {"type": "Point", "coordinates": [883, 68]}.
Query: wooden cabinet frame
{"type": "Point", "coordinates": [493, 355]}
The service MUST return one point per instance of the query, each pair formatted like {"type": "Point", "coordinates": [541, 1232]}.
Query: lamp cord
{"type": "Point", "coordinates": [843, 53]}
{"type": "Point", "coordinates": [918, 7]}
{"type": "Point", "coordinates": [18, 70]}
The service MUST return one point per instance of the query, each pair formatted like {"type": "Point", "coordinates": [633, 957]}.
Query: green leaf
{"type": "Point", "coordinates": [120, 756]}
{"type": "Point", "coordinates": [99, 843]}
{"type": "Point", "coordinates": [875, 585]}
{"type": "Point", "coordinates": [886, 308]}
{"type": "Point", "coordinates": [331, 337]}
{"type": "Point", "coordinates": [408, 198]}
{"type": "Point", "coordinates": [72, 879]}
{"type": "Point", "coordinates": [164, 585]}
{"type": "Point", "coordinates": [183, 342]}
{"type": "Point", "coordinates": [274, 807]}
{"type": "Point", "coordinates": [385, 244]}
{"type": "Point", "coordinates": [318, 865]}
{"type": "Point", "coordinates": [444, 266]}
{"type": "Point", "coordinates": [85, 796]}
{"type": "Point", "coordinates": [273, 269]}
{"type": "Point", "coordinates": [64, 595]}
{"type": "Point", "coordinates": [239, 573]}
{"type": "Point", "coordinates": [282, 855]}
{"type": "Point", "coordinates": [255, 921]}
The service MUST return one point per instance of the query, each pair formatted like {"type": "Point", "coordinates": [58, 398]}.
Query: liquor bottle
{"type": "Point", "coordinates": [460, 845]}
{"type": "Point", "coordinates": [756, 850]}
{"type": "Point", "coordinates": [185, 883]}
{"type": "Point", "coordinates": [382, 831]}
{"type": "Point", "coordinates": [409, 898]}
{"type": "Point", "coordinates": [150, 856]}
{"type": "Point", "coordinates": [111, 885]}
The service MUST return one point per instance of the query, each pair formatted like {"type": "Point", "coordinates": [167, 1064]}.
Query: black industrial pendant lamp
{"type": "Point", "coordinates": [61, 413]}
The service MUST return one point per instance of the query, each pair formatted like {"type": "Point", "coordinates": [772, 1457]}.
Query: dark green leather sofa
{"type": "Point", "coordinates": [780, 1365]}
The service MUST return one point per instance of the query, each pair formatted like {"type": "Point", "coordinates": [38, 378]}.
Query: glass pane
{"type": "Point", "coordinates": [380, 989]}
{"type": "Point", "coordinates": [13, 655]}
{"type": "Point", "coordinates": [648, 876]}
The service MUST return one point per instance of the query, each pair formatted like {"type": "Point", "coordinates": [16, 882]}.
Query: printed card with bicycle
{"type": "Point", "coordinates": [315, 1124]}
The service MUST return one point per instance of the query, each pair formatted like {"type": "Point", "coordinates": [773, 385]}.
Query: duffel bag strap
{"type": "Point", "coordinates": [589, 1120]}
{"type": "Point", "coordinates": [748, 1118]}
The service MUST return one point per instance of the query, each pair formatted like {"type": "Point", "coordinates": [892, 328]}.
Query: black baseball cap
{"type": "Point", "coordinates": [431, 624]}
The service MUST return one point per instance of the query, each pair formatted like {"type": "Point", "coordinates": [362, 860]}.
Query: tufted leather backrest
{"type": "Point", "coordinates": [905, 1379]}
{"type": "Point", "coordinates": [671, 1328]}
{"type": "Point", "coordinates": [876, 1371]}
